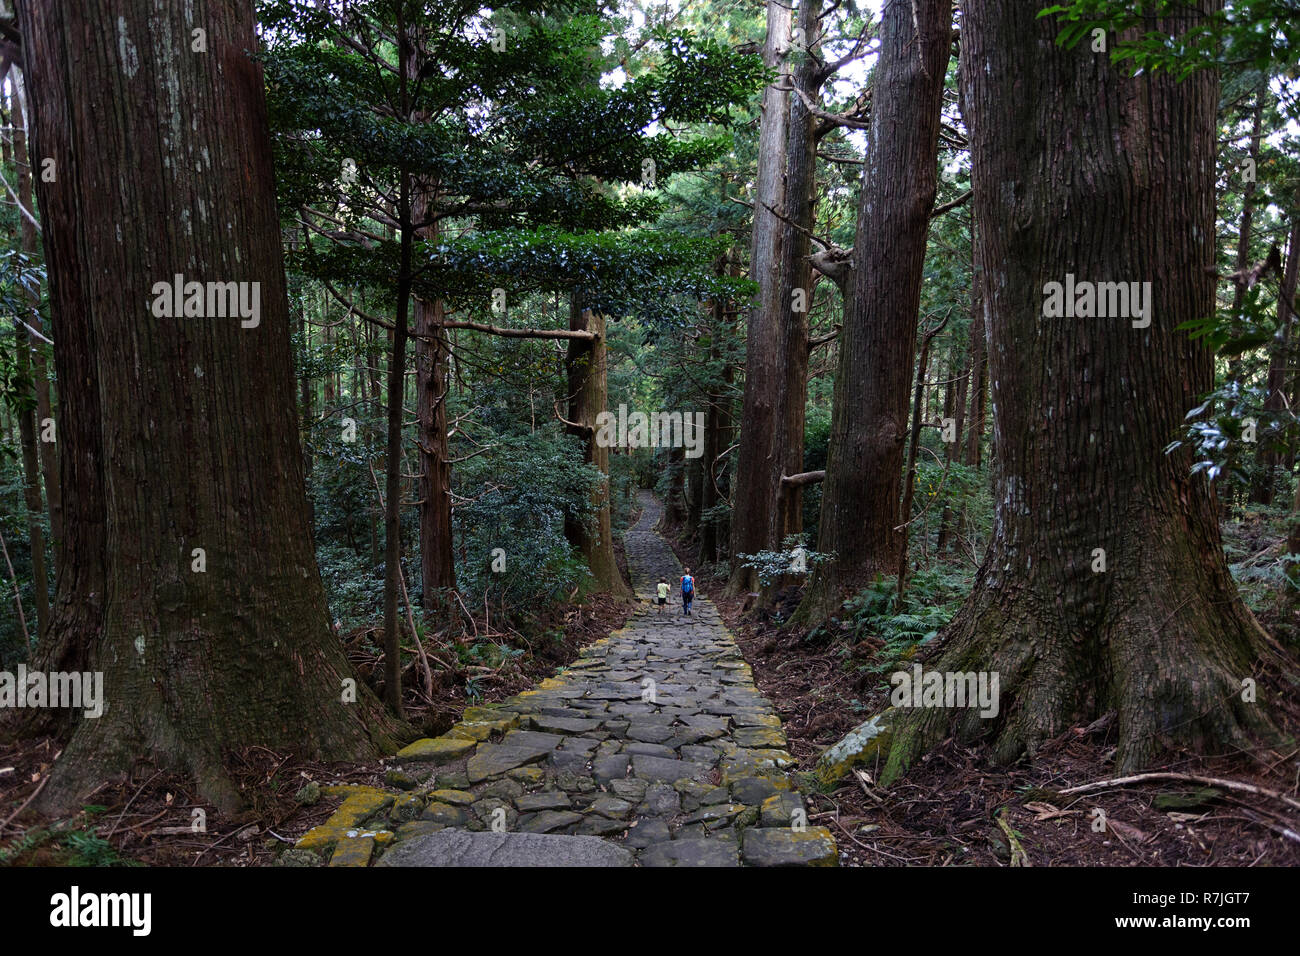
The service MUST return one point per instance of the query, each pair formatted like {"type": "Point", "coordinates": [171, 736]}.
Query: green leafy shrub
{"type": "Point", "coordinates": [509, 535]}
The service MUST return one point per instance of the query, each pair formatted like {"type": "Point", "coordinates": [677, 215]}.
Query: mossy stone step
{"type": "Point", "coordinates": [460, 848]}
{"type": "Point", "coordinates": [437, 750]}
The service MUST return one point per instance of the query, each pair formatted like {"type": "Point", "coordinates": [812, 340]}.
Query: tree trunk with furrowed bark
{"type": "Point", "coordinates": [860, 500]}
{"type": "Point", "coordinates": [186, 572]}
{"type": "Point", "coordinates": [764, 511]}
{"type": "Point", "coordinates": [1088, 171]}
{"type": "Point", "coordinates": [586, 369]}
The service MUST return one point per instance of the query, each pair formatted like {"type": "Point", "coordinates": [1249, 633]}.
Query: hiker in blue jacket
{"type": "Point", "coordinates": [688, 591]}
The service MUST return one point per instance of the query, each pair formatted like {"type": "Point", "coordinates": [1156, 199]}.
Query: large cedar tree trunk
{"type": "Point", "coordinates": [761, 457]}
{"type": "Point", "coordinates": [587, 374]}
{"type": "Point", "coordinates": [979, 355]}
{"type": "Point", "coordinates": [26, 367]}
{"type": "Point", "coordinates": [177, 433]}
{"type": "Point", "coordinates": [694, 494]}
{"type": "Point", "coordinates": [860, 498]}
{"type": "Point", "coordinates": [47, 446]}
{"type": "Point", "coordinates": [1078, 168]}
{"type": "Point", "coordinates": [796, 271]}
{"type": "Point", "coordinates": [432, 351]}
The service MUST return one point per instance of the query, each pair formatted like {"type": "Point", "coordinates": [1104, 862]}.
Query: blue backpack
{"type": "Point", "coordinates": [688, 585]}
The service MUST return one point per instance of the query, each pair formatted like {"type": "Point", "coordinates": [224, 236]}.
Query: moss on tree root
{"type": "Point", "coordinates": [1175, 682]}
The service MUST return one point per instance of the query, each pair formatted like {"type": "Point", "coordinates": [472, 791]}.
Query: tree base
{"type": "Point", "coordinates": [191, 727]}
{"type": "Point", "coordinates": [1179, 671]}
{"type": "Point", "coordinates": [826, 593]}
{"type": "Point", "coordinates": [106, 752]}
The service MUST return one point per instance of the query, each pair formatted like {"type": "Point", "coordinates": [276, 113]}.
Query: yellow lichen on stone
{"type": "Point", "coordinates": [344, 824]}
{"type": "Point", "coordinates": [456, 798]}
{"type": "Point", "coordinates": [359, 807]}
{"type": "Point", "coordinates": [743, 763]}
{"type": "Point", "coordinates": [866, 743]}
{"type": "Point", "coordinates": [406, 807]}
{"type": "Point", "coordinates": [778, 846]}
{"type": "Point", "coordinates": [353, 851]}
{"type": "Point", "coordinates": [764, 737]}
{"type": "Point", "coordinates": [773, 758]}
{"type": "Point", "coordinates": [347, 789]}
{"type": "Point", "coordinates": [360, 803]}
{"type": "Point", "coordinates": [470, 731]}
{"type": "Point", "coordinates": [437, 750]}
{"type": "Point", "coordinates": [321, 838]}
{"type": "Point", "coordinates": [528, 775]}
{"type": "Point", "coordinates": [823, 836]}
{"type": "Point", "coordinates": [737, 770]}
{"type": "Point", "coordinates": [490, 715]}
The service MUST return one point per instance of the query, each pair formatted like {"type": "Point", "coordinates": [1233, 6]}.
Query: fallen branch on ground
{"type": "Point", "coordinates": [39, 787]}
{"type": "Point", "coordinates": [1018, 855]}
{"type": "Point", "coordinates": [1184, 778]}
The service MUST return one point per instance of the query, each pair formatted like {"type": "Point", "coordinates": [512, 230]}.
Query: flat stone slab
{"type": "Point", "coordinates": [549, 820]}
{"type": "Point", "coordinates": [532, 738]}
{"type": "Point", "coordinates": [546, 800]}
{"type": "Point", "coordinates": [564, 725]}
{"type": "Point", "coordinates": [759, 737]}
{"type": "Point", "coordinates": [353, 852]}
{"type": "Point", "coordinates": [491, 760]}
{"type": "Point", "coordinates": [446, 814]}
{"type": "Point", "coordinates": [661, 768]}
{"type": "Point", "coordinates": [461, 848]}
{"type": "Point", "coordinates": [436, 750]}
{"type": "Point", "coordinates": [612, 807]}
{"type": "Point", "coordinates": [697, 852]}
{"type": "Point", "coordinates": [610, 769]}
{"type": "Point", "coordinates": [772, 846]}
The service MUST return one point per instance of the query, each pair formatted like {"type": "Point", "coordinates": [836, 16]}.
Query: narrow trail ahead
{"type": "Point", "coordinates": [654, 746]}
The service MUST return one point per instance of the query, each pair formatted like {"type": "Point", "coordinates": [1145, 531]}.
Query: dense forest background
{"type": "Point", "coordinates": [498, 223]}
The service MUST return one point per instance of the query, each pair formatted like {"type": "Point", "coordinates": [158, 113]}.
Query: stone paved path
{"type": "Point", "coordinates": [654, 740]}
